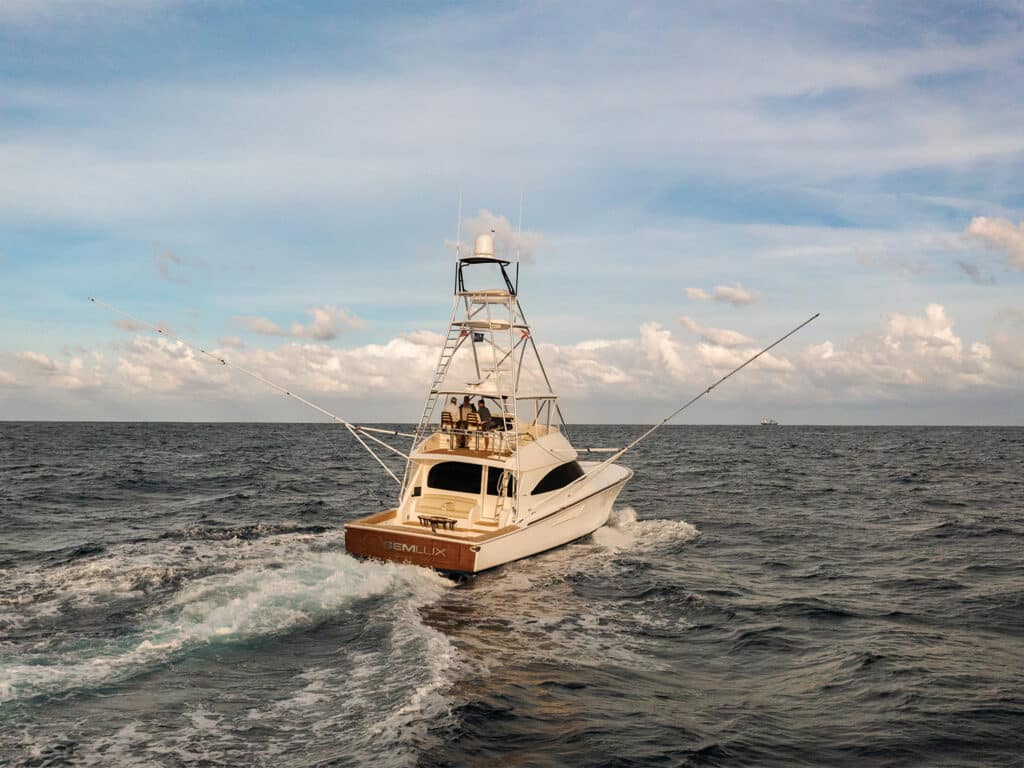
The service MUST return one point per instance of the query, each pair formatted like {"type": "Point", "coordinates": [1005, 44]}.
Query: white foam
{"type": "Point", "coordinates": [625, 532]}
{"type": "Point", "coordinates": [272, 587]}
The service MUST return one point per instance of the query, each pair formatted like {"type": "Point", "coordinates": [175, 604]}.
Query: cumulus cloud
{"type": "Point", "coordinates": [505, 236]}
{"type": "Point", "coordinates": [906, 357]}
{"type": "Point", "coordinates": [932, 332]}
{"type": "Point", "coordinates": [663, 350]}
{"type": "Point", "coordinates": [723, 337]}
{"type": "Point", "coordinates": [732, 294]}
{"type": "Point", "coordinates": [698, 293]}
{"type": "Point", "coordinates": [1001, 234]}
{"type": "Point", "coordinates": [729, 294]}
{"type": "Point", "coordinates": [38, 360]}
{"type": "Point", "coordinates": [328, 323]}
{"type": "Point", "coordinates": [39, 370]}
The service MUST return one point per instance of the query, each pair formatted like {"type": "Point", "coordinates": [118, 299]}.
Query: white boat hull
{"type": "Point", "coordinates": [579, 519]}
{"type": "Point", "coordinates": [563, 518]}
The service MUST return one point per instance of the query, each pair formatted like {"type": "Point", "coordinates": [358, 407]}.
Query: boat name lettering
{"type": "Point", "coordinates": [415, 549]}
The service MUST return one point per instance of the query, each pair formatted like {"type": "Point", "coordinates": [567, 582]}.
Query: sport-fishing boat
{"type": "Point", "coordinates": [486, 486]}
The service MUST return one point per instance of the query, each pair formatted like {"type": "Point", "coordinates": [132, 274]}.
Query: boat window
{"type": "Point", "coordinates": [494, 477]}
{"type": "Point", "coordinates": [559, 477]}
{"type": "Point", "coordinates": [455, 476]}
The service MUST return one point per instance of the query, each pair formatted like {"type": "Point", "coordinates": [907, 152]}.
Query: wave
{"type": "Point", "coordinates": [624, 532]}
{"type": "Point", "coordinates": [214, 592]}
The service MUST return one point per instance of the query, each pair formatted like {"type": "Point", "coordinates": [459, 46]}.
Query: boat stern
{"type": "Point", "coordinates": [377, 538]}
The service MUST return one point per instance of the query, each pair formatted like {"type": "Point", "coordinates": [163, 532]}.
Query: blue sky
{"type": "Point", "coordinates": [281, 182]}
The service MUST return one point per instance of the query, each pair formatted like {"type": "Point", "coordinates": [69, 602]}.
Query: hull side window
{"type": "Point", "coordinates": [559, 477]}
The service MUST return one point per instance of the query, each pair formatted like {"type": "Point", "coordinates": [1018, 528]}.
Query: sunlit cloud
{"type": "Point", "coordinates": [1001, 234]}
{"type": "Point", "coordinates": [907, 354]}
{"type": "Point", "coordinates": [722, 337]}
{"type": "Point", "coordinates": [328, 323]}
{"type": "Point", "coordinates": [736, 295]}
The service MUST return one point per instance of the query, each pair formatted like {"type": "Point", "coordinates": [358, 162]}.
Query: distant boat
{"type": "Point", "coordinates": [769, 422]}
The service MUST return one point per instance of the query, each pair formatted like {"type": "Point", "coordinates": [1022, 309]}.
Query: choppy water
{"type": "Point", "coordinates": [179, 594]}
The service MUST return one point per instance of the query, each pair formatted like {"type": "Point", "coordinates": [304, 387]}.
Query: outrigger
{"type": "Point", "coordinates": [479, 492]}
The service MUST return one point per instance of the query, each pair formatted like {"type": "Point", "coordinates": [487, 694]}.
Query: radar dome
{"type": "Point", "coordinates": [484, 246]}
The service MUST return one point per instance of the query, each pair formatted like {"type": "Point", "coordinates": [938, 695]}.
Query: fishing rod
{"type": "Point", "coordinates": [619, 453]}
{"type": "Point", "coordinates": [352, 428]}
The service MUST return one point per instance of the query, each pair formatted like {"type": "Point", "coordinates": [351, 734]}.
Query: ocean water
{"type": "Point", "coordinates": [179, 594]}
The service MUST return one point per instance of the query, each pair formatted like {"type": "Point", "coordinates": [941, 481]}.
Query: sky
{"type": "Point", "coordinates": [280, 182]}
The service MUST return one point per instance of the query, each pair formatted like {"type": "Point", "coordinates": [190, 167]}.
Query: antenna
{"type": "Point", "coordinates": [519, 237]}
{"type": "Point", "coordinates": [458, 244]}
{"type": "Point", "coordinates": [458, 228]}
{"type": "Point", "coordinates": [519, 228]}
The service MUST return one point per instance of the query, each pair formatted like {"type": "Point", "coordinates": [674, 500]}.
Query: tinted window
{"type": "Point", "coordinates": [559, 477]}
{"type": "Point", "coordinates": [493, 477]}
{"type": "Point", "coordinates": [455, 476]}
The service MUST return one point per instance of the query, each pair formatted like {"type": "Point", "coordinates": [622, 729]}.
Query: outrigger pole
{"type": "Point", "coordinates": [618, 454]}
{"type": "Point", "coordinates": [352, 428]}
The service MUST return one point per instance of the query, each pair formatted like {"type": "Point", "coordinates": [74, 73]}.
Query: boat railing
{"type": "Point", "coordinates": [485, 441]}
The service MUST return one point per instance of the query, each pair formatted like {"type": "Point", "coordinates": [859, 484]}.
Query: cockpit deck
{"type": "Point", "coordinates": [462, 531]}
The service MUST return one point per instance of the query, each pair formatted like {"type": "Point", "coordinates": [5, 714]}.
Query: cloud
{"type": "Point", "coordinates": [37, 360]}
{"type": "Point", "coordinates": [70, 11]}
{"type": "Point", "coordinates": [907, 358]}
{"type": "Point", "coordinates": [729, 294]}
{"type": "Point", "coordinates": [663, 350]}
{"type": "Point", "coordinates": [733, 294]}
{"type": "Point", "coordinates": [698, 293]}
{"type": "Point", "coordinates": [328, 323]}
{"type": "Point", "coordinates": [722, 337]}
{"type": "Point", "coordinates": [932, 332]}
{"type": "Point", "coordinates": [232, 342]}
{"type": "Point", "coordinates": [129, 325]}
{"type": "Point", "coordinates": [806, 102]}
{"type": "Point", "coordinates": [1000, 234]}
{"type": "Point", "coordinates": [164, 262]}
{"type": "Point", "coordinates": [40, 370]}
{"type": "Point", "coordinates": [973, 272]}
